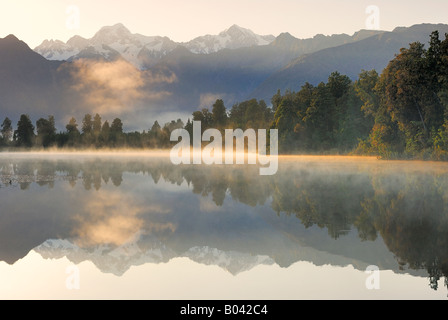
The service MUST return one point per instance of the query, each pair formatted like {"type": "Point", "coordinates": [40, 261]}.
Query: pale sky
{"type": "Point", "coordinates": [181, 20]}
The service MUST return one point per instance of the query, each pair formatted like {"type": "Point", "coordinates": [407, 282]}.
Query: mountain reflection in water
{"type": "Point", "coordinates": [123, 211]}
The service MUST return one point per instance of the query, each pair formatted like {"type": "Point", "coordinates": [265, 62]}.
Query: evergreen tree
{"type": "Point", "coordinates": [276, 100]}
{"type": "Point", "coordinates": [285, 120]}
{"type": "Point", "coordinates": [25, 132]}
{"type": "Point", "coordinates": [219, 114]}
{"type": "Point", "coordinates": [189, 128]}
{"type": "Point", "coordinates": [96, 125]}
{"type": "Point", "coordinates": [155, 129]}
{"type": "Point", "coordinates": [6, 131]}
{"type": "Point", "coordinates": [96, 130]}
{"type": "Point", "coordinates": [46, 132]}
{"type": "Point", "coordinates": [73, 133]}
{"type": "Point", "coordinates": [205, 117]}
{"type": "Point", "coordinates": [117, 126]}
{"type": "Point", "coordinates": [105, 133]}
{"type": "Point", "coordinates": [87, 124]}
{"type": "Point", "coordinates": [320, 118]}
{"type": "Point", "coordinates": [116, 133]}
{"type": "Point", "coordinates": [155, 135]}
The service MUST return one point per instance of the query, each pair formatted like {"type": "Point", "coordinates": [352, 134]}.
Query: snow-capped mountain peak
{"type": "Point", "coordinates": [111, 34]}
{"type": "Point", "coordinates": [235, 31]}
{"type": "Point", "coordinates": [147, 249]}
{"type": "Point", "coordinates": [56, 50]}
{"type": "Point", "coordinates": [232, 38]}
{"type": "Point", "coordinates": [143, 51]}
{"type": "Point", "coordinates": [109, 43]}
{"type": "Point", "coordinates": [78, 42]}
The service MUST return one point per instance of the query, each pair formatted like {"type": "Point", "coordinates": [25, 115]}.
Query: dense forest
{"type": "Point", "coordinates": [400, 113]}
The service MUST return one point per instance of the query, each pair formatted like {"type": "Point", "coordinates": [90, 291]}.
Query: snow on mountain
{"type": "Point", "coordinates": [113, 34]}
{"type": "Point", "coordinates": [117, 260]}
{"type": "Point", "coordinates": [232, 261]}
{"type": "Point", "coordinates": [108, 259]}
{"type": "Point", "coordinates": [78, 42]}
{"type": "Point", "coordinates": [110, 43]}
{"type": "Point", "coordinates": [142, 51]}
{"type": "Point", "coordinates": [56, 50]}
{"type": "Point", "coordinates": [233, 38]}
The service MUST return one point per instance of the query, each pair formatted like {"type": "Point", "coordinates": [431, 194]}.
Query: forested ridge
{"type": "Point", "coordinates": [398, 113]}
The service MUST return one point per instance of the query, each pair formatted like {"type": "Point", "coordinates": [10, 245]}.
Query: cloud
{"type": "Point", "coordinates": [110, 218]}
{"type": "Point", "coordinates": [206, 100]}
{"type": "Point", "coordinates": [116, 87]}
{"type": "Point", "coordinates": [113, 218]}
{"type": "Point", "coordinates": [160, 76]}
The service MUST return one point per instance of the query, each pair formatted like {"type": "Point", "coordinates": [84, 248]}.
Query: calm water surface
{"type": "Point", "coordinates": [134, 226]}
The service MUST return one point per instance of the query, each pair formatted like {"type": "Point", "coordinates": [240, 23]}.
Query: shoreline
{"type": "Point", "coordinates": [166, 153]}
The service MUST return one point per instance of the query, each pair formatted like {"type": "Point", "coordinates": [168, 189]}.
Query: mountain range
{"type": "Point", "coordinates": [142, 51]}
{"type": "Point", "coordinates": [373, 52]}
{"type": "Point", "coordinates": [145, 78]}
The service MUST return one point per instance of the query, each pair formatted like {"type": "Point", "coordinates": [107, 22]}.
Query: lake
{"type": "Point", "coordinates": [134, 226]}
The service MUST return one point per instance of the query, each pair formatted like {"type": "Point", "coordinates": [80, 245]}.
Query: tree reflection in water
{"type": "Point", "coordinates": [405, 205]}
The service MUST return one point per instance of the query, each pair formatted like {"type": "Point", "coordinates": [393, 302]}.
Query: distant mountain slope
{"type": "Point", "coordinates": [373, 52]}
{"type": "Point", "coordinates": [233, 74]}
{"type": "Point", "coordinates": [319, 41]}
{"type": "Point", "coordinates": [26, 79]}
